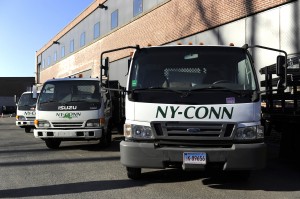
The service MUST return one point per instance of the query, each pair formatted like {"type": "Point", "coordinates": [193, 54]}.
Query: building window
{"type": "Point", "coordinates": [55, 56]}
{"type": "Point", "coordinates": [49, 61]}
{"type": "Point", "coordinates": [137, 7]}
{"type": "Point", "coordinates": [82, 39]}
{"type": "Point", "coordinates": [114, 19]}
{"type": "Point", "coordinates": [72, 46]}
{"type": "Point", "coordinates": [96, 30]}
{"type": "Point", "coordinates": [62, 51]}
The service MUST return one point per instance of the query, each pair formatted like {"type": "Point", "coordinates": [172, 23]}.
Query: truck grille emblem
{"type": "Point", "coordinates": [193, 130]}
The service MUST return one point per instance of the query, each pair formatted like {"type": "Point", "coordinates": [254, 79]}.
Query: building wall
{"type": "Point", "coordinates": [271, 23]}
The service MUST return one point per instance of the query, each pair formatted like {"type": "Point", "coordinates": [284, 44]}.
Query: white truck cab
{"type": "Point", "coordinates": [71, 109]}
{"type": "Point", "coordinates": [26, 111]}
{"type": "Point", "coordinates": [192, 107]}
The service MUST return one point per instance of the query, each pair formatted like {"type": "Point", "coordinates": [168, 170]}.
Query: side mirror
{"type": "Point", "coordinates": [280, 65]}
{"type": "Point", "coordinates": [34, 92]}
{"type": "Point", "coordinates": [105, 66]}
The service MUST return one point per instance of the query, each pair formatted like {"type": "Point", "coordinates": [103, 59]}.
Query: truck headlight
{"type": "Point", "coordinates": [93, 123]}
{"type": "Point", "coordinates": [20, 117]}
{"type": "Point", "coordinates": [138, 131]}
{"type": "Point", "coordinates": [42, 124]}
{"type": "Point", "coordinates": [249, 133]}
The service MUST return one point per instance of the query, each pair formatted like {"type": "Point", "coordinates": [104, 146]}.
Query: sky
{"type": "Point", "coordinates": [26, 26]}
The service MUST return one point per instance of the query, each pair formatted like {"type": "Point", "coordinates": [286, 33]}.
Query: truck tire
{"type": "Point", "coordinates": [27, 129]}
{"type": "Point", "coordinates": [105, 140]}
{"type": "Point", "coordinates": [134, 173]}
{"type": "Point", "coordinates": [267, 128]}
{"type": "Point", "coordinates": [242, 175]}
{"type": "Point", "coordinates": [52, 143]}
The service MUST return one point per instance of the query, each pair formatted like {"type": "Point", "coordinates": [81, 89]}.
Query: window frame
{"type": "Point", "coordinates": [49, 61]}
{"type": "Point", "coordinates": [62, 52]}
{"type": "Point", "coordinates": [137, 4]}
{"type": "Point", "coordinates": [82, 39]}
{"type": "Point", "coordinates": [72, 48]}
{"type": "Point", "coordinates": [55, 56]}
{"type": "Point", "coordinates": [97, 30]}
{"type": "Point", "coordinates": [114, 19]}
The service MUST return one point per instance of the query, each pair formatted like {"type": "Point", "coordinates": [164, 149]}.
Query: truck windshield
{"type": "Point", "coordinates": [26, 102]}
{"type": "Point", "coordinates": [192, 68]}
{"type": "Point", "coordinates": [83, 94]}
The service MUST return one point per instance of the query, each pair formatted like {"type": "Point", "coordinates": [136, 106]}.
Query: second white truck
{"type": "Point", "coordinates": [71, 109]}
{"type": "Point", "coordinates": [26, 111]}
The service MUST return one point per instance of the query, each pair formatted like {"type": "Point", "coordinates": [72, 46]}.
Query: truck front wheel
{"type": "Point", "coordinates": [27, 129]}
{"type": "Point", "coordinates": [242, 175]}
{"type": "Point", "coordinates": [52, 143]}
{"type": "Point", "coordinates": [134, 173]}
{"type": "Point", "coordinates": [105, 140]}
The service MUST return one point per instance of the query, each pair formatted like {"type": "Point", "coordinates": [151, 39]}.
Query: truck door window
{"type": "Point", "coordinates": [47, 93]}
{"type": "Point", "coordinates": [245, 75]}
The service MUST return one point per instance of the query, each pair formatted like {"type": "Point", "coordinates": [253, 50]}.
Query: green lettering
{"type": "Point", "coordinates": [173, 111]}
{"type": "Point", "coordinates": [205, 112]}
{"type": "Point", "coordinates": [229, 114]}
{"type": "Point", "coordinates": [162, 112]}
{"type": "Point", "coordinates": [213, 110]}
{"type": "Point", "coordinates": [186, 112]}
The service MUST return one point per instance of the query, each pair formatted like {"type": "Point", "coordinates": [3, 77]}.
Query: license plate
{"type": "Point", "coordinates": [64, 134]}
{"type": "Point", "coordinates": [194, 158]}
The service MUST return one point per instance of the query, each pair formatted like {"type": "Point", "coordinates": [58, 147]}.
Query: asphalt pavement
{"type": "Point", "coordinates": [28, 169]}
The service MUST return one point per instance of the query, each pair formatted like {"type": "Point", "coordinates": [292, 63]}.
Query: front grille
{"type": "Point", "coordinates": [195, 130]}
{"type": "Point", "coordinates": [67, 124]}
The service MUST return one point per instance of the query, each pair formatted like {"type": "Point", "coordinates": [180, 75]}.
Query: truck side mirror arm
{"type": "Point", "coordinates": [281, 63]}
{"type": "Point", "coordinates": [137, 47]}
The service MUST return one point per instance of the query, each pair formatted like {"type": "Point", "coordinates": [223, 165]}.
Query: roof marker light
{"type": "Point", "coordinates": [179, 43]}
{"type": "Point", "coordinates": [231, 44]}
{"type": "Point", "coordinates": [201, 43]}
{"type": "Point", "coordinates": [190, 43]}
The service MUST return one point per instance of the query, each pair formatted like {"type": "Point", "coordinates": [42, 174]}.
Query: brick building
{"type": "Point", "coordinates": [108, 24]}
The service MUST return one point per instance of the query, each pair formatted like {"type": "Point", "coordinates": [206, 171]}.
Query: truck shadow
{"type": "Point", "coordinates": [266, 180]}
{"type": "Point", "coordinates": [160, 176]}
{"type": "Point", "coordinates": [280, 177]}
{"type": "Point", "coordinates": [93, 145]}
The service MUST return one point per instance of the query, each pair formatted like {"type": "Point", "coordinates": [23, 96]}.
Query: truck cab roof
{"type": "Point", "coordinates": [72, 79]}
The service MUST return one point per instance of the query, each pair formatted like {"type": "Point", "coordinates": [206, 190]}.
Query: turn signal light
{"type": "Point", "coordinates": [102, 121]}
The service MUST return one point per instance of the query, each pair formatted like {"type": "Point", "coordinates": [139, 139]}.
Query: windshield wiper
{"type": "Point", "coordinates": [212, 87]}
{"type": "Point", "coordinates": [156, 88]}
{"type": "Point", "coordinates": [49, 101]}
{"type": "Point", "coordinates": [81, 100]}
